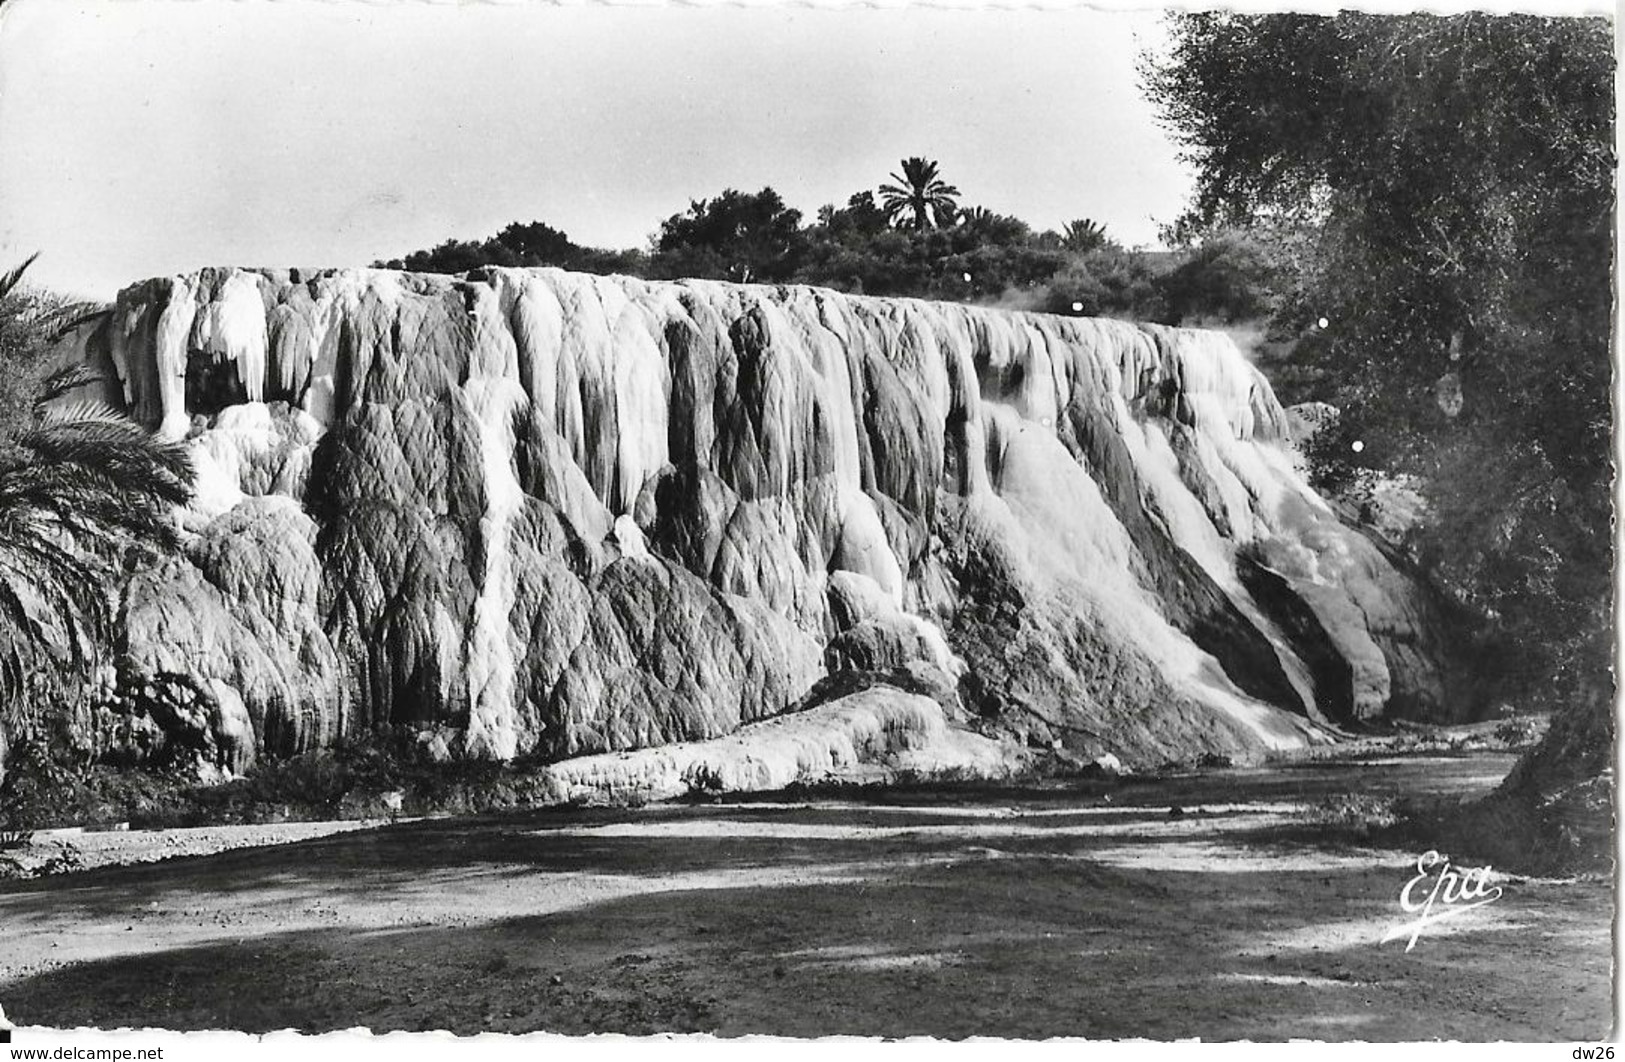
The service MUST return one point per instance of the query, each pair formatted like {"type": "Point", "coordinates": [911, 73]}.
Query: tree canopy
{"type": "Point", "coordinates": [976, 254]}
{"type": "Point", "coordinates": [1436, 194]}
{"type": "Point", "coordinates": [1084, 234]}
{"type": "Point", "coordinates": [528, 244]}
{"type": "Point", "coordinates": [737, 235]}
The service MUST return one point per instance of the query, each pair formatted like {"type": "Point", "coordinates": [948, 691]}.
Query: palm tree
{"type": "Point", "coordinates": [977, 219]}
{"type": "Point", "coordinates": [1084, 235]}
{"type": "Point", "coordinates": [82, 489]}
{"type": "Point", "coordinates": [991, 227]}
{"type": "Point", "coordinates": [29, 320]}
{"type": "Point", "coordinates": [919, 199]}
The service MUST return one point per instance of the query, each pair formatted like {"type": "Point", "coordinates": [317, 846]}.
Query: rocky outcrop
{"type": "Point", "coordinates": [881, 727]}
{"type": "Point", "coordinates": [533, 512]}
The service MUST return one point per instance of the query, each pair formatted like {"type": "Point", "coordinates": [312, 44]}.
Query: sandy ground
{"type": "Point", "coordinates": [945, 913]}
{"type": "Point", "coordinates": [69, 850]}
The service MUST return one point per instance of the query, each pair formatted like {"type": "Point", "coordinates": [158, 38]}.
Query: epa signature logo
{"type": "Point", "coordinates": [1438, 892]}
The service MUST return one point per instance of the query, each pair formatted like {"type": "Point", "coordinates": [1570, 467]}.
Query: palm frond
{"type": "Point", "coordinates": [79, 409]}
{"type": "Point", "coordinates": [13, 277]}
{"type": "Point", "coordinates": [62, 381]}
{"type": "Point", "coordinates": [70, 316]}
{"type": "Point", "coordinates": [82, 490]}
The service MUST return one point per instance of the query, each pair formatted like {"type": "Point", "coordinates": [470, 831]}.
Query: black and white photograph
{"type": "Point", "coordinates": [705, 523]}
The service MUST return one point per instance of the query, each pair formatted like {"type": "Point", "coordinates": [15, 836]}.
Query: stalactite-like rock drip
{"type": "Point", "coordinates": [533, 511]}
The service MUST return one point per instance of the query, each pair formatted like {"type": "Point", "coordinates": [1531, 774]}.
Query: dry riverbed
{"type": "Point", "coordinates": [1230, 904]}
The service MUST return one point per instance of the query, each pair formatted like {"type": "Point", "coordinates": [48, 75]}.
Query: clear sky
{"type": "Point", "coordinates": [142, 137]}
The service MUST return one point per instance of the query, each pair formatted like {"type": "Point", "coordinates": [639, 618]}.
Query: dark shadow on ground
{"type": "Point", "coordinates": [1023, 946]}
{"type": "Point", "coordinates": [1091, 919]}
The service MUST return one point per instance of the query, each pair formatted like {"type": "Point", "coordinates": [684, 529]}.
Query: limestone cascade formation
{"type": "Point", "coordinates": [535, 512]}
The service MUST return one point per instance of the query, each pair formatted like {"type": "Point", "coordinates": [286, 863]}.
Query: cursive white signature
{"type": "Point", "coordinates": [1456, 890]}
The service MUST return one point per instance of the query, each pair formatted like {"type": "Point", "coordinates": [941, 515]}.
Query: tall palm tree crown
{"type": "Point", "coordinates": [919, 199]}
{"type": "Point", "coordinates": [81, 487]}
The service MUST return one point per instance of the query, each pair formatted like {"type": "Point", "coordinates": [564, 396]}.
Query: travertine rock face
{"type": "Point", "coordinates": [529, 511]}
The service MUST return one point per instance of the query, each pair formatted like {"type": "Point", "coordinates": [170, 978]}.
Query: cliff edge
{"type": "Point", "coordinates": [535, 512]}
